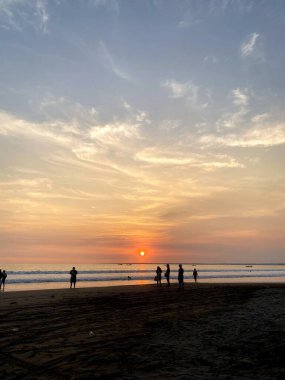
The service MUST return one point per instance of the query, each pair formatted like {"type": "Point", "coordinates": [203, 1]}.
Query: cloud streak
{"type": "Point", "coordinates": [110, 64]}
{"type": "Point", "coordinates": [248, 47]}
{"type": "Point", "coordinates": [254, 137]}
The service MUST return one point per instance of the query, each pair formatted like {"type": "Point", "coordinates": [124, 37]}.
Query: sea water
{"type": "Point", "coordinates": [55, 276]}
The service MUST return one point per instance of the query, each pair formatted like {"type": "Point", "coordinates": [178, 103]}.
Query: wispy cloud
{"type": "Point", "coordinates": [240, 97]}
{"type": "Point", "coordinates": [248, 47]}
{"type": "Point", "coordinates": [188, 20]}
{"type": "Point", "coordinates": [158, 157]}
{"type": "Point", "coordinates": [110, 64]}
{"type": "Point", "coordinates": [260, 118]}
{"type": "Point", "coordinates": [12, 126]}
{"type": "Point", "coordinates": [235, 118]}
{"type": "Point", "coordinates": [181, 90]}
{"type": "Point", "coordinates": [112, 134]}
{"type": "Point", "coordinates": [194, 13]}
{"type": "Point", "coordinates": [188, 91]}
{"type": "Point", "coordinates": [254, 137]}
{"type": "Point", "coordinates": [17, 14]}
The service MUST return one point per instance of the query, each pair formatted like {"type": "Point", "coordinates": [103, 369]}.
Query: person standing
{"type": "Point", "coordinates": [158, 276]}
{"type": "Point", "coordinates": [167, 275]}
{"type": "Point", "coordinates": [181, 277]}
{"type": "Point", "coordinates": [3, 279]}
{"type": "Point", "coordinates": [1, 276]}
{"type": "Point", "coordinates": [73, 274]}
{"type": "Point", "coordinates": [195, 274]}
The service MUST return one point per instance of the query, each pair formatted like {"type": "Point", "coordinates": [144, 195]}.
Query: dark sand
{"type": "Point", "coordinates": [141, 332]}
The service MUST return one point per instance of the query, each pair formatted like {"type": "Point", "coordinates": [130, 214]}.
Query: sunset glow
{"type": "Point", "coordinates": [142, 123]}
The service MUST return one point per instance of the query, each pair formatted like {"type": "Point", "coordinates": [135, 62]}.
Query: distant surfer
{"type": "Point", "coordinates": [73, 274]}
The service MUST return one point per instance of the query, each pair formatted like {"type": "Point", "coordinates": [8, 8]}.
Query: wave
{"type": "Point", "coordinates": [40, 272]}
{"type": "Point", "coordinates": [30, 280]}
{"type": "Point", "coordinates": [79, 272]}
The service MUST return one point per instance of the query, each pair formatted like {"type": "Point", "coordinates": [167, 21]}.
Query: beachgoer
{"type": "Point", "coordinates": [158, 276]}
{"type": "Point", "coordinates": [73, 274]}
{"type": "Point", "coordinates": [167, 275]}
{"type": "Point", "coordinates": [195, 274]}
{"type": "Point", "coordinates": [1, 275]}
{"type": "Point", "coordinates": [3, 279]}
{"type": "Point", "coordinates": [181, 277]}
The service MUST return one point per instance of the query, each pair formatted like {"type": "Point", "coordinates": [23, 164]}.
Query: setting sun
{"type": "Point", "coordinates": [142, 253]}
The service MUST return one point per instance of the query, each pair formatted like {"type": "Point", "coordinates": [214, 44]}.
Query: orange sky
{"type": "Point", "coordinates": [140, 126]}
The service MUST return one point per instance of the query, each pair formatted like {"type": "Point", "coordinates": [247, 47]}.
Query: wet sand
{"type": "Point", "coordinates": [206, 331]}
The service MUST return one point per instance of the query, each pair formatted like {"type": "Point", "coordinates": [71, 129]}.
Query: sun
{"type": "Point", "coordinates": [142, 253]}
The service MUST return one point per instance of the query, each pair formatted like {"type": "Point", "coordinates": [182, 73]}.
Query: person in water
{"type": "Point", "coordinates": [73, 274]}
{"type": "Point", "coordinates": [3, 279]}
{"type": "Point", "coordinates": [158, 276]}
{"type": "Point", "coordinates": [195, 274]}
{"type": "Point", "coordinates": [1, 276]}
{"type": "Point", "coordinates": [181, 277]}
{"type": "Point", "coordinates": [167, 275]}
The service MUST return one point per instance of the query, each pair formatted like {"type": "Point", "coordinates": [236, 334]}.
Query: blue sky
{"type": "Point", "coordinates": [155, 125]}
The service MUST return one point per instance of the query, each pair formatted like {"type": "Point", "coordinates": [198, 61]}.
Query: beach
{"type": "Point", "coordinates": [206, 331]}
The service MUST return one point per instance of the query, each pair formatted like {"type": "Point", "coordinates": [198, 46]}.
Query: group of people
{"type": "Point", "coordinates": [167, 275]}
{"type": "Point", "coordinates": [73, 276]}
{"type": "Point", "coordinates": [3, 276]}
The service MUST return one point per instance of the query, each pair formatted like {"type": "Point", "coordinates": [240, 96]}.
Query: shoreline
{"type": "Point", "coordinates": [53, 286]}
{"type": "Point", "coordinates": [206, 331]}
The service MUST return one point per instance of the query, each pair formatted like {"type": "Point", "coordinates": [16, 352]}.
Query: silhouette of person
{"type": "Point", "coordinates": [167, 275]}
{"type": "Point", "coordinates": [195, 274]}
{"type": "Point", "coordinates": [1, 276]}
{"type": "Point", "coordinates": [73, 274]}
{"type": "Point", "coordinates": [158, 276]}
{"type": "Point", "coordinates": [181, 277]}
{"type": "Point", "coordinates": [3, 279]}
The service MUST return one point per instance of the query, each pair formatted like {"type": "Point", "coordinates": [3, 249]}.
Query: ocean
{"type": "Point", "coordinates": [56, 276]}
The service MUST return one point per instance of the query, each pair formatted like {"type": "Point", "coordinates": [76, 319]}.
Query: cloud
{"type": "Point", "coordinates": [112, 134]}
{"type": "Point", "coordinates": [234, 119]}
{"type": "Point", "coordinates": [260, 118]}
{"type": "Point", "coordinates": [240, 97]}
{"type": "Point", "coordinates": [12, 126]}
{"type": "Point", "coordinates": [255, 137]}
{"type": "Point", "coordinates": [231, 120]}
{"type": "Point", "coordinates": [181, 90]}
{"type": "Point", "coordinates": [110, 64]}
{"type": "Point", "coordinates": [188, 20]}
{"type": "Point", "coordinates": [197, 12]}
{"type": "Point", "coordinates": [188, 91]}
{"type": "Point", "coordinates": [158, 157]}
{"type": "Point", "coordinates": [18, 14]}
{"type": "Point", "coordinates": [247, 48]}
{"type": "Point", "coordinates": [64, 110]}
{"type": "Point", "coordinates": [211, 59]}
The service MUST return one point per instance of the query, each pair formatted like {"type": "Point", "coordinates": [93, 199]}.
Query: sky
{"type": "Point", "coordinates": [152, 125]}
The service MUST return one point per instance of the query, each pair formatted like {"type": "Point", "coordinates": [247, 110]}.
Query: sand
{"type": "Point", "coordinates": [206, 331]}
